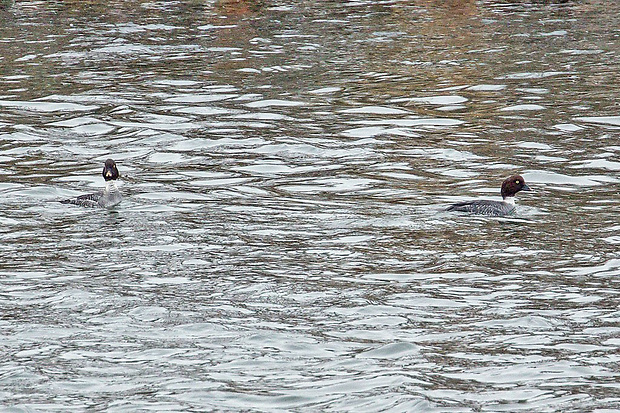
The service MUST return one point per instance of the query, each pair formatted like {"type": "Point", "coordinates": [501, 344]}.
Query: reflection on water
{"type": "Point", "coordinates": [283, 243]}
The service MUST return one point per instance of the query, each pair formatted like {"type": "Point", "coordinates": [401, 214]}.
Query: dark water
{"type": "Point", "coordinates": [282, 245]}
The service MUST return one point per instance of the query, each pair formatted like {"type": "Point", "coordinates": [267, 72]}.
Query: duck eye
{"type": "Point", "coordinates": [517, 182]}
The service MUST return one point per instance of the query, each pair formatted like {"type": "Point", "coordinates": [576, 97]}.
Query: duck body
{"type": "Point", "coordinates": [485, 207]}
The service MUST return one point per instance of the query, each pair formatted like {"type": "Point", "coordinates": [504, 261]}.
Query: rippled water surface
{"type": "Point", "coordinates": [283, 244]}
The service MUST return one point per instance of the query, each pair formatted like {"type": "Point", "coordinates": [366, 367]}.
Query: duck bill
{"type": "Point", "coordinates": [526, 188]}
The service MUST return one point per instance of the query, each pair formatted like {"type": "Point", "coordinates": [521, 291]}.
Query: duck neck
{"type": "Point", "coordinates": [110, 186]}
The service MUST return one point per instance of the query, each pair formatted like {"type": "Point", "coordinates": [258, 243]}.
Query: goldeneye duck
{"type": "Point", "coordinates": [109, 197]}
{"type": "Point", "coordinates": [510, 187]}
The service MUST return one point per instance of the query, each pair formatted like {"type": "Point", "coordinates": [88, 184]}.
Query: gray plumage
{"type": "Point", "coordinates": [484, 207]}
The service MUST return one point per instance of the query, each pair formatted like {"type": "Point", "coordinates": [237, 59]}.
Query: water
{"type": "Point", "coordinates": [282, 245]}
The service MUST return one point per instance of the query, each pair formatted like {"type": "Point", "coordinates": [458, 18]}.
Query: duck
{"type": "Point", "coordinates": [109, 197]}
{"type": "Point", "coordinates": [510, 187]}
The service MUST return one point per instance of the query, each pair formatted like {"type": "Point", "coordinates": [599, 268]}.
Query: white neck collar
{"type": "Point", "coordinates": [110, 186]}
